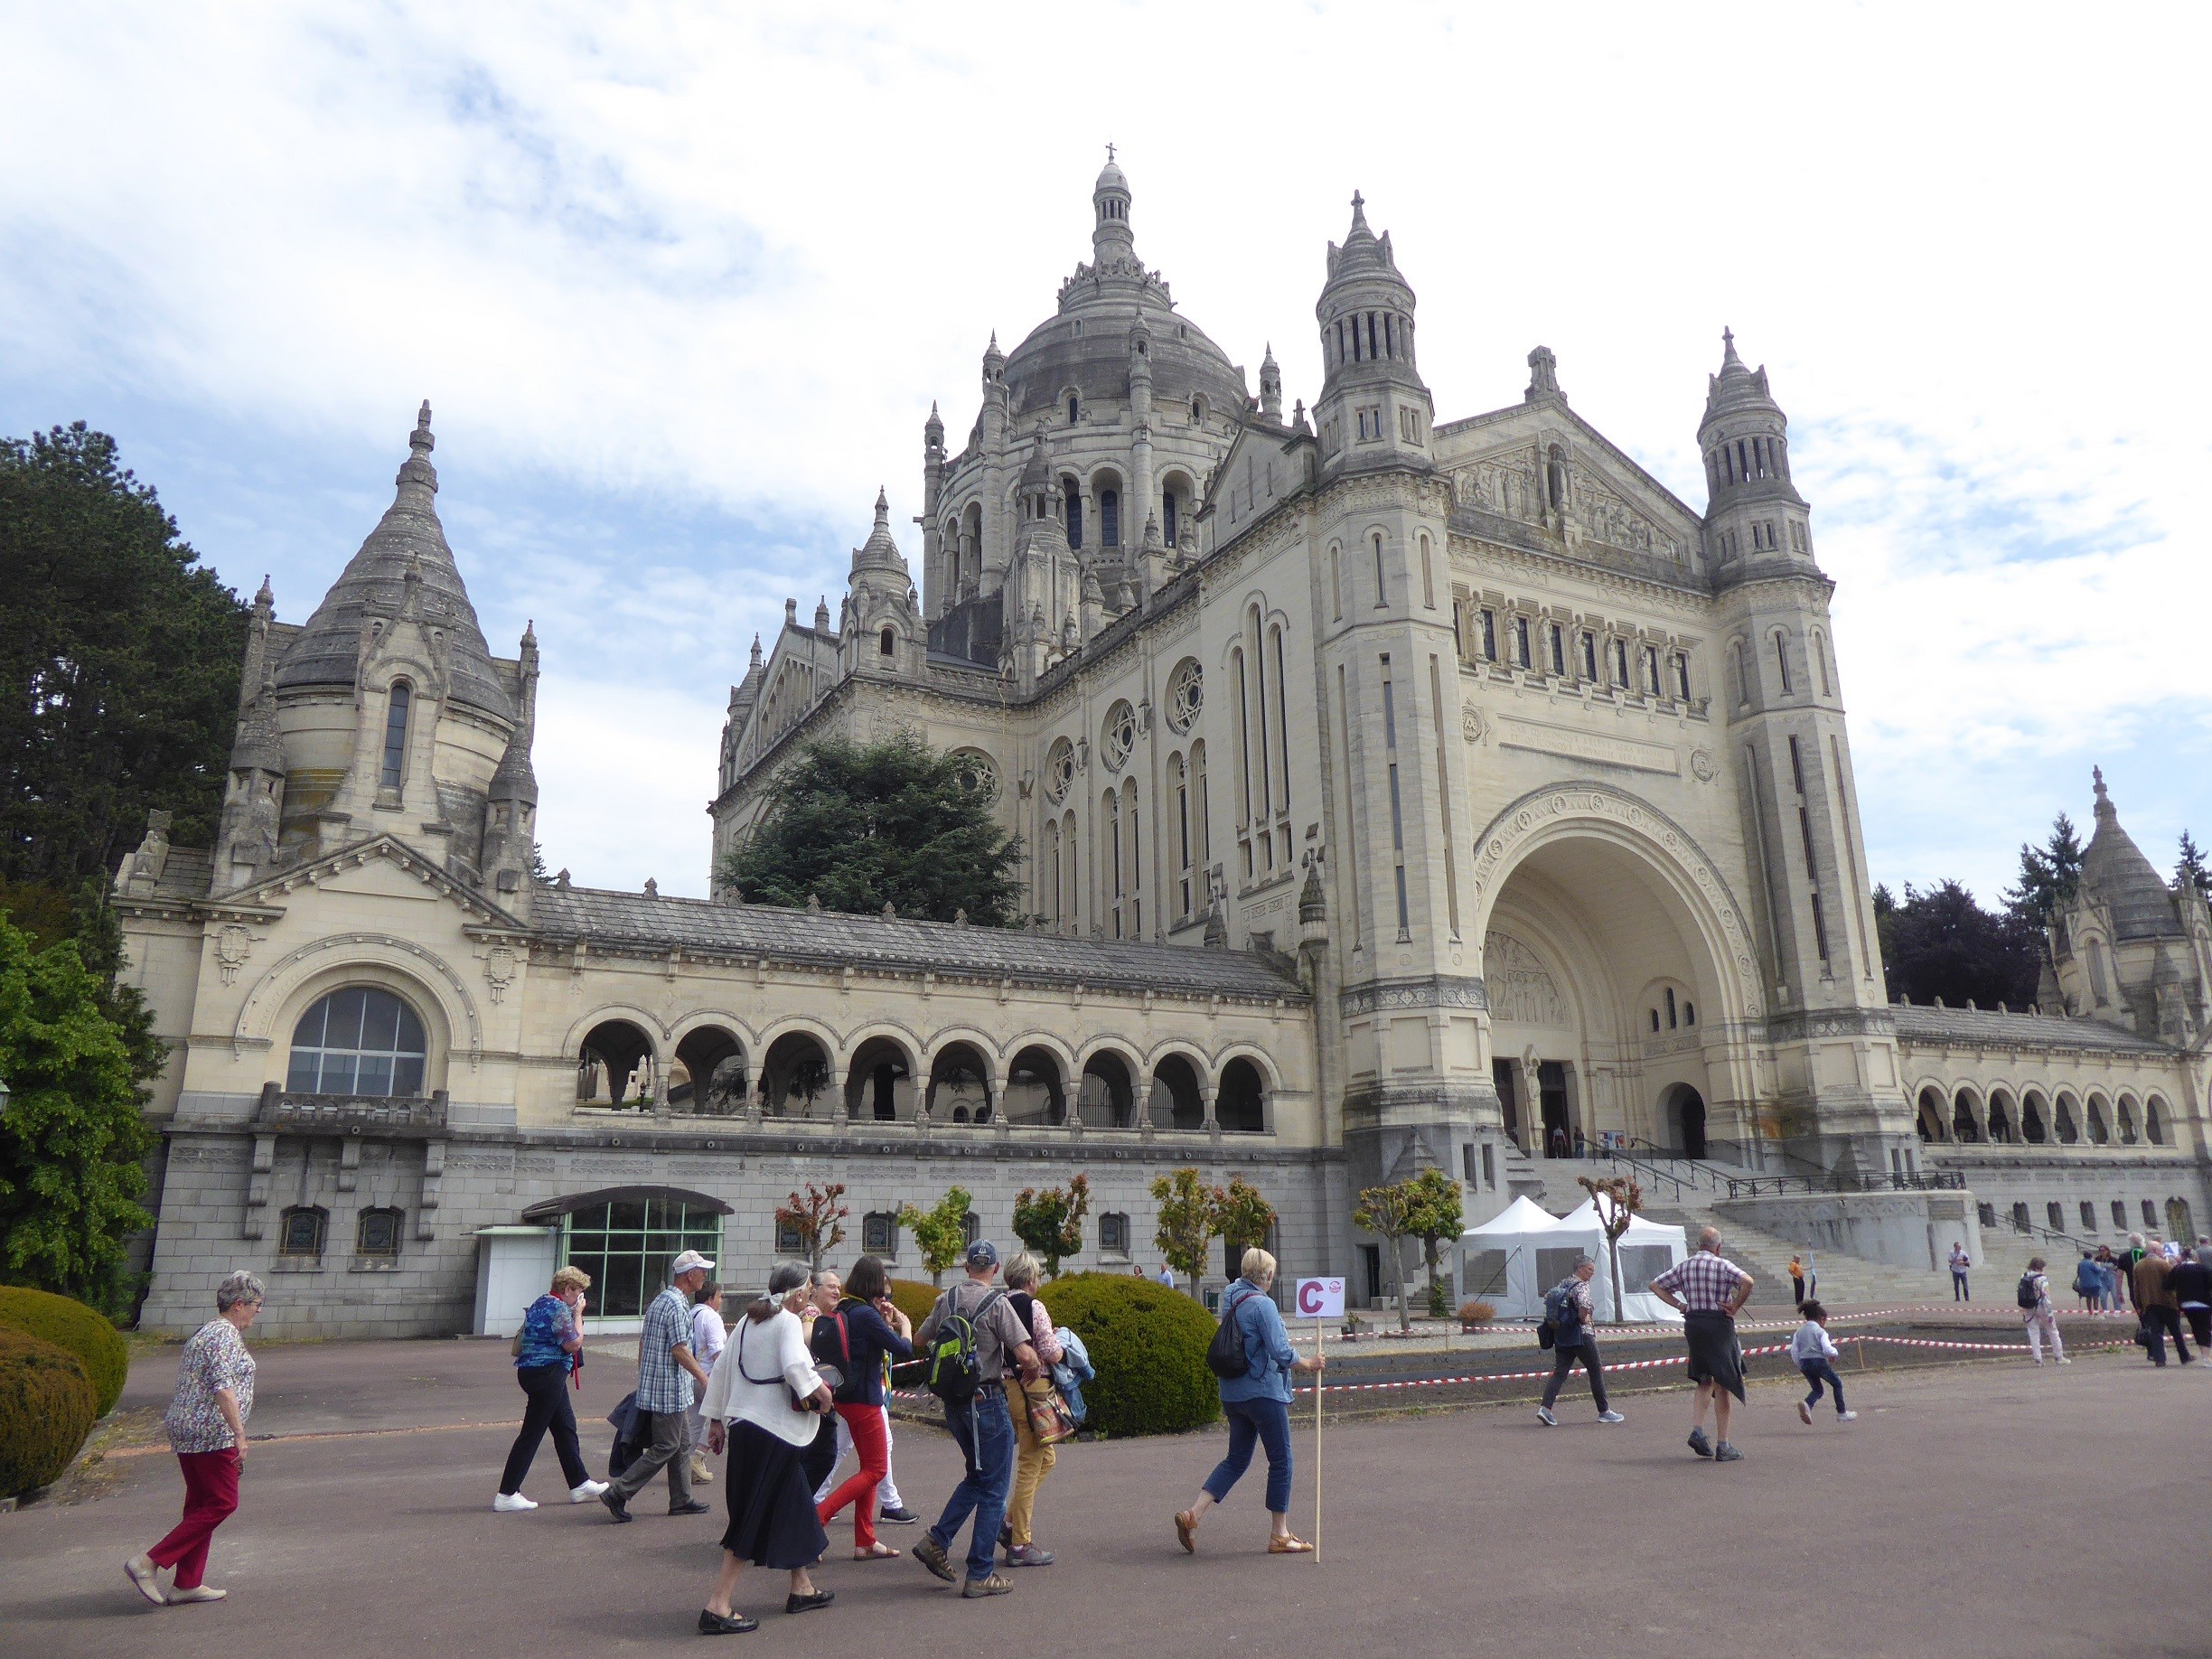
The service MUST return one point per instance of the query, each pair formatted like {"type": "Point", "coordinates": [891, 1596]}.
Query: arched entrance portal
{"type": "Point", "coordinates": [1609, 953]}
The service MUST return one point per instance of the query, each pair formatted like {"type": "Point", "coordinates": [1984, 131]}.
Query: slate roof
{"type": "Point", "coordinates": [2116, 874]}
{"type": "Point", "coordinates": [1916, 1023]}
{"type": "Point", "coordinates": [831, 940]}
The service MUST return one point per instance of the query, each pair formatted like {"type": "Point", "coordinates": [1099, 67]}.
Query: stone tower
{"type": "Point", "coordinates": [1790, 760]}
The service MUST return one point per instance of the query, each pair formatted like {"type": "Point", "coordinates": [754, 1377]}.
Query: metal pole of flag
{"type": "Point", "coordinates": [1320, 1300]}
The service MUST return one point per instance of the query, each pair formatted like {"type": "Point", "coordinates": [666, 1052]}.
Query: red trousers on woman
{"type": "Point", "coordinates": [873, 1448]}
{"type": "Point", "coordinates": [210, 1494]}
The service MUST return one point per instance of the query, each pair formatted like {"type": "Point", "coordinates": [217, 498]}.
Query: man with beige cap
{"type": "Point", "coordinates": [664, 1393]}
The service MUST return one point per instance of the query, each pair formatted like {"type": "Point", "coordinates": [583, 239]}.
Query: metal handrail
{"type": "Point", "coordinates": [1836, 1181]}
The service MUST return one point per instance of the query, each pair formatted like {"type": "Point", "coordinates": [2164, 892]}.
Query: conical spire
{"type": "Point", "coordinates": [1737, 389]}
{"type": "Point", "coordinates": [879, 552]}
{"type": "Point", "coordinates": [2116, 874]}
{"type": "Point", "coordinates": [407, 541]}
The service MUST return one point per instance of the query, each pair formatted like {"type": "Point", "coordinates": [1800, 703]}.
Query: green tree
{"type": "Point", "coordinates": [121, 655]}
{"type": "Point", "coordinates": [1436, 1218]}
{"type": "Point", "coordinates": [1941, 943]}
{"type": "Point", "coordinates": [1189, 1216]}
{"type": "Point", "coordinates": [1243, 1218]}
{"type": "Point", "coordinates": [2190, 875]}
{"type": "Point", "coordinates": [818, 1217]}
{"type": "Point", "coordinates": [1388, 1213]}
{"type": "Point", "coordinates": [71, 1134]}
{"type": "Point", "coordinates": [2049, 874]}
{"type": "Point", "coordinates": [1050, 1223]}
{"type": "Point", "coordinates": [941, 1231]}
{"type": "Point", "coordinates": [892, 822]}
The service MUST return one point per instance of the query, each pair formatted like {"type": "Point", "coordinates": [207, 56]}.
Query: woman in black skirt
{"type": "Point", "coordinates": [764, 1401]}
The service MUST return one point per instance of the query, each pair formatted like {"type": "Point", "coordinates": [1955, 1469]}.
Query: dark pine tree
{"type": "Point", "coordinates": [1941, 943]}
{"type": "Point", "coordinates": [893, 823]}
{"type": "Point", "coordinates": [2191, 875]}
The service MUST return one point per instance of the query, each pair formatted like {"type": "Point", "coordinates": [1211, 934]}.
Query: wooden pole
{"type": "Point", "coordinates": [1318, 1375]}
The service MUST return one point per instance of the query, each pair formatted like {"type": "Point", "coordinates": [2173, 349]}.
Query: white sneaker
{"type": "Point", "coordinates": [1847, 1417]}
{"type": "Point", "coordinates": [1543, 1416]}
{"type": "Point", "coordinates": [510, 1502]}
{"type": "Point", "coordinates": [2063, 1361]}
{"type": "Point", "coordinates": [589, 1490]}
{"type": "Point", "coordinates": [1804, 1413]}
{"type": "Point", "coordinates": [1611, 1417]}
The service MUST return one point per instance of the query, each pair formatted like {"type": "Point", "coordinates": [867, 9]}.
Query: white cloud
{"type": "Point", "coordinates": [707, 268]}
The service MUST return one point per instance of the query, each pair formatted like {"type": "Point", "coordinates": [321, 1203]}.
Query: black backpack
{"type": "Point", "coordinates": [951, 1368]}
{"type": "Point", "coordinates": [2027, 1295]}
{"type": "Point", "coordinates": [1226, 1356]}
{"type": "Point", "coordinates": [1559, 1310]}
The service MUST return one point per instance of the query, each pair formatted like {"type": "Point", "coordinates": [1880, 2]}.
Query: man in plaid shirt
{"type": "Point", "coordinates": [1708, 1290]}
{"type": "Point", "coordinates": [664, 1393]}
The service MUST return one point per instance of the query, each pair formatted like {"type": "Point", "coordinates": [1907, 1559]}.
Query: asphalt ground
{"type": "Point", "coordinates": [1984, 1507]}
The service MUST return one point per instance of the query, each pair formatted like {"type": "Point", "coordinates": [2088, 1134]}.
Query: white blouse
{"type": "Point", "coordinates": [774, 1349]}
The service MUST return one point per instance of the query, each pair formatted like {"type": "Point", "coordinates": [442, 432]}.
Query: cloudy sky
{"type": "Point", "coordinates": [681, 282]}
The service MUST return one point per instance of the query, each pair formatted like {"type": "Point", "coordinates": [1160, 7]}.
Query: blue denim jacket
{"type": "Point", "coordinates": [1268, 1353]}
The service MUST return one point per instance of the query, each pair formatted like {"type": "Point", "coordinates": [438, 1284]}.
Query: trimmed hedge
{"type": "Point", "coordinates": [47, 1408]}
{"type": "Point", "coordinates": [70, 1325]}
{"type": "Point", "coordinates": [1148, 1345]}
{"type": "Point", "coordinates": [914, 1299]}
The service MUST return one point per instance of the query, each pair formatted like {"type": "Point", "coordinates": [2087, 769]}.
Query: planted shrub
{"type": "Point", "coordinates": [47, 1408]}
{"type": "Point", "coordinates": [914, 1299]}
{"type": "Point", "coordinates": [1148, 1345]}
{"type": "Point", "coordinates": [1477, 1313]}
{"type": "Point", "coordinates": [69, 1325]}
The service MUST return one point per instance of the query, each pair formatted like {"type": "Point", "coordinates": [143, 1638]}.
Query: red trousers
{"type": "Point", "coordinates": [870, 1445]}
{"type": "Point", "coordinates": [210, 1494]}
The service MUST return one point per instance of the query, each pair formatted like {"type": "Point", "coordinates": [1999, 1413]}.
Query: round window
{"type": "Point", "coordinates": [1059, 769]}
{"type": "Point", "coordinates": [1119, 736]}
{"type": "Point", "coordinates": [1186, 695]}
{"type": "Point", "coordinates": [977, 774]}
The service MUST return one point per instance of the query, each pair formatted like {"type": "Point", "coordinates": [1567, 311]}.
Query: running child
{"type": "Point", "coordinates": [1815, 1353]}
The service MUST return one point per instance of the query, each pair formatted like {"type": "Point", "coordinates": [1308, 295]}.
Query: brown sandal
{"type": "Point", "coordinates": [1288, 1543]}
{"type": "Point", "coordinates": [876, 1553]}
{"type": "Point", "coordinates": [1187, 1531]}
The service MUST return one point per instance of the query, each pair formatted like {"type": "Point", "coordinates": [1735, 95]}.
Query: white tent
{"type": "Point", "coordinates": [1499, 1259]}
{"type": "Point", "coordinates": [1646, 1251]}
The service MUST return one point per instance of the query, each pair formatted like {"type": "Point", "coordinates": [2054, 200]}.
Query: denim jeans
{"type": "Point", "coordinates": [987, 1442]}
{"type": "Point", "coordinates": [1816, 1371]}
{"type": "Point", "coordinates": [1958, 1287]}
{"type": "Point", "coordinates": [1268, 1424]}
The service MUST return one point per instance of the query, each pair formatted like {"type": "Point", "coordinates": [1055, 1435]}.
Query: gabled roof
{"type": "Point", "coordinates": [830, 939]}
{"type": "Point", "coordinates": [271, 889]}
{"type": "Point", "coordinates": [1985, 1028]}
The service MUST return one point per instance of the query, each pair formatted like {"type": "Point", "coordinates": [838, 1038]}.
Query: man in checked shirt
{"type": "Point", "coordinates": [1708, 1290]}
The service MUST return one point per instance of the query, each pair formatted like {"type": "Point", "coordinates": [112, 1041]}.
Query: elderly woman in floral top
{"type": "Point", "coordinates": [207, 1429]}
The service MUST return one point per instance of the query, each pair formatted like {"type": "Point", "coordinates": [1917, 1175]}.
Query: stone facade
{"type": "Point", "coordinates": [1397, 795]}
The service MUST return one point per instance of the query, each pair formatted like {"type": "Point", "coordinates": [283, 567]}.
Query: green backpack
{"type": "Point", "coordinates": [951, 1368]}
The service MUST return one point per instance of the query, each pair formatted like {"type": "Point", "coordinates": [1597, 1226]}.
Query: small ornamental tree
{"type": "Point", "coordinates": [941, 1231]}
{"type": "Point", "coordinates": [1435, 1219]}
{"type": "Point", "coordinates": [1189, 1216]}
{"type": "Point", "coordinates": [1050, 1223]}
{"type": "Point", "coordinates": [1243, 1218]}
{"type": "Point", "coordinates": [1618, 1199]}
{"type": "Point", "coordinates": [818, 1218]}
{"type": "Point", "coordinates": [1388, 1213]}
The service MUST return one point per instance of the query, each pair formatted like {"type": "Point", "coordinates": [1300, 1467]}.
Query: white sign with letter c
{"type": "Point", "coordinates": [1319, 1298]}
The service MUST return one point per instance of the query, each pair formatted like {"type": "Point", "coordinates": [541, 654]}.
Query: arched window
{"type": "Point", "coordinates": [1820, 657]}
{"type": "Point", "coordinates": [1735, 673]}
{"type": "Point", "coordinates": [302, 1230]}
{"type": "Point", "coordinates": [2127, 1122]}
{"type": "Point", "coordinates": [395, 734]}
{"type": "Point", "coordinates": [1167, 517]}
{"type": "Point", "coordinates": [1074, 409]}
{"type": "Point", "coordinates": [2097, 1132]}
{"type": "Point", "coordinates": [1382, 597]}
{"type": "Point", "coordinates": [1110, 518]}
{"type": "Point", "coordinates": [2154, 1122]}
{"type": "Point", "coordinates": [1048, 873]}
{"type": "Point", "coordinates": [376, 1236]}
{"type": "Point", "coordinates": [1111, 844]}
{"type": "Point", "coordinates": [888, 644]}
{"type": "Point", "coordinates": [362, 1040]}
{"type": "Point", "coordinates": [1335, 583]}
{"type": "Point", "coordinates": [1197, 411]}
{"type": "Point", "coordinates": [2067, 1134]}
{"type": "Point", "coordinates": [1428, 567]}
{"type": "Point", "coordinates": [1781, 662]}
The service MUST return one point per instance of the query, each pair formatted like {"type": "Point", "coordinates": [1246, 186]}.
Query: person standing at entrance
{"type": "Point", "coordinates": [2041, 1319]}
{"type": "Point", "coordinates": [666, 1371]}
{"type": "Point", "coordinates": [1709, 1290]}
{"type": "Point", "coordinates": [1960, 1262]}
{"type": "Point", "coordinates": [983, 1429]}
{"type": "Point", "coordinates": [1569, 1307]}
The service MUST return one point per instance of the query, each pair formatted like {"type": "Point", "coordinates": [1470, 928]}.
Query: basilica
{"type": "Point", "coordinates": [1396, 793]}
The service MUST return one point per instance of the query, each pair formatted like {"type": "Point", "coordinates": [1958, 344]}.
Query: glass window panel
{"type": "Point", "coordinates": [407, 1074]}
{"type": "Point", "coordinates": [308, 1033]}
{"type": "Point", "coordinates": [626, 1215]}
{"type": "Point", "coordinates": [337, 1075]}
{"type": "Point", "coordinates": [307, 1069]}
{"type": "Point", "coordinates": [411, 1038]}
{"type": "Point", "coordinates": [374, 1076]}
{"type": "Point", "coordinates": [380, 1020]}
{"type": "Point", "coordinates": [346, 1008]}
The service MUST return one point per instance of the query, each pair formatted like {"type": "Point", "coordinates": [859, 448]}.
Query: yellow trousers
{"type": "Point", "coordinates": [1033, 1459]}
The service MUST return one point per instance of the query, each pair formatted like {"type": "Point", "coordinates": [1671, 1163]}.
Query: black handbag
{"type": "Point", "coordinates": [799, 1402]}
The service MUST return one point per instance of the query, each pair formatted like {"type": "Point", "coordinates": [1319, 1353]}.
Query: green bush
{"type": "Point", "coordinates": [1148, 1345]}
{"type": "Point", "coordinates": [47, 1408]}
{"type": "Point", "coordinates": [914, 1299]}
{"type": "Point", "coordinates": [71, 1325]}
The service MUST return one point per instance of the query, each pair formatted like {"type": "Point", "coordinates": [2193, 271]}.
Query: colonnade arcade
{"type": "Point", "coordinates": [712, 1066]}
{"type": "Point", "coordinates": [2038, 1115]}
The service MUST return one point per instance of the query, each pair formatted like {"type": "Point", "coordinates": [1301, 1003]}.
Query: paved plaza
{"type": "Point", "coordinates": [1985, 1508]}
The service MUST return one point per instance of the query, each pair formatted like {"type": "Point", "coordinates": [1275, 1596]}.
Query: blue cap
{"type": "Point", "coordinates": [982, 1253]}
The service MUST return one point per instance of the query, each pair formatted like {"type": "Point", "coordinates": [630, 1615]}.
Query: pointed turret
{"type": "Point", "coordinates": [2115, 874]}
{"type": "Point", "coordinates": [1374, 409]}
{"type": "Point", "coordinates": [1111, 238]}
{"type": "Point", "coordinates": [510, 806]}
{"type": "Point", "coordinates": [879, 552]}
{"type": "Point", "coordinates": [1270, 385]}
{"type": "Point", "coordinates": [1754, 515]}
